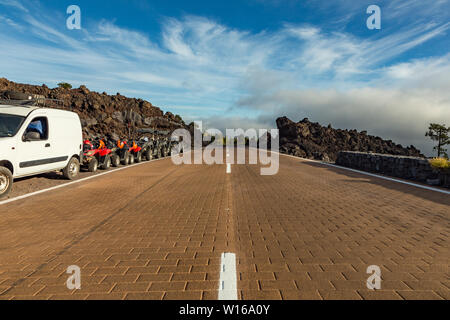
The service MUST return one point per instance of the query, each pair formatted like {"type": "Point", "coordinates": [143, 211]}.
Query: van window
{"type": "Point", "coordinates": [9, 125]}
{"type": "Point", "coordinates": [39, 125]}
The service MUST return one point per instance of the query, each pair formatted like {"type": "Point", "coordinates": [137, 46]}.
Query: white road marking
{"type": "Point", "coordinates": [370, 174]}
{"type": "Point", "coordinates": [74, 182]}
{"type": "Point", "coordinates": [228, 168]}
{"type": "Point", "coordinates": [228, 277]}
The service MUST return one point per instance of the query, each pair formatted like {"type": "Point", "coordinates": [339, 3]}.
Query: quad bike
{"type": "Point", "coordinates": [174, 145]}
{"type": "Point", "coordinates": [121, 150]}
{"type": "Point", "coordinates": [157, 148]}
{"type": "Point", "coordinates": [96, 155]}
{"type": "Point", "coordinates": [166, 149]}
{"type": "Point", "coordinates": [90, 161]}
{"type": "Point", "coordinates": [146, 148]}
{"type": "Point", "coordinates": [135, 152]}
{"type": "Point", "coordinates": [162, 147]}
{"type": "Point", "coordinates": [115, 158]}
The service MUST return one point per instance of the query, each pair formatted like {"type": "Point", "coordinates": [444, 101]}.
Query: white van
{"type": "Point", "coordinates": [37, 140]}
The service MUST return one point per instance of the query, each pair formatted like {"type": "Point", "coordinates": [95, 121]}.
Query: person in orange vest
{"type": "Point", "coordinates": [120, 144]}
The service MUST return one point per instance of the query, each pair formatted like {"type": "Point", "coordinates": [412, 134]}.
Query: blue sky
{"type": "Point", "coordinates": [244, 63]}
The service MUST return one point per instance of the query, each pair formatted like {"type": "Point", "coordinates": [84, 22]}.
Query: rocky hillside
{"type": "Point", "coordinates": [102, 114]}
{"type": "Point", "coordinates": [311, 140]}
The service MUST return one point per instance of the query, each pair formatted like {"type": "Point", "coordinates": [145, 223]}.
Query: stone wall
{"type": "Point", "coordinates": [412, 168]}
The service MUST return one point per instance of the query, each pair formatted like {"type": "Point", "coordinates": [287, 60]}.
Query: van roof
{"type": "Point", "coordinates": [16, 110]}
{"type": "Point", "coordinates": [24, 111]}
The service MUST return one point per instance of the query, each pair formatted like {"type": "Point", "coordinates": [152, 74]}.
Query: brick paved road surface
{"type": "Point", "coordinates": [157, 231]}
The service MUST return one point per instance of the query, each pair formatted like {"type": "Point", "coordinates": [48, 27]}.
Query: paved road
{"type": "Point", "coordinates": [157, 231]}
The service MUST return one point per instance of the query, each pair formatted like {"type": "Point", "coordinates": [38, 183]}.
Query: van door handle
{"type": "Point", "coordinates": [47, 145]}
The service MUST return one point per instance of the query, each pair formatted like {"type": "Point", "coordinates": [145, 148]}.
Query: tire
{"type": "Point", "coordinates": [131, 161]}
{"type": "Point", "coordinates": [15, 95]}
{"type": "Point", "coordinates": [93, 165]}
{"type": "Point", "coordinates": [6, 181]}
{"type": "Point", "coordinates": [138, 157]}
{"type": "Point", "coordinates": [72, 169]}
{"type": "Point", "coordinates": [148, 154]}
{"type": "Point", "coordinates": [106, 162]}
{"type": "Point", "coordinates": [115, 160]}
{"type": "Point", "coordinates": [126, 158]}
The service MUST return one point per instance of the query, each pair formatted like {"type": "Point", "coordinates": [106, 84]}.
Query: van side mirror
{"type": "Point", "coordinates": [32, 136]}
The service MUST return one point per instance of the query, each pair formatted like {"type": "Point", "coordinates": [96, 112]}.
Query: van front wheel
{"type": "Point", "coordinates": [6, 181]}
{"type": "Point", "coordinates": [72, 169]}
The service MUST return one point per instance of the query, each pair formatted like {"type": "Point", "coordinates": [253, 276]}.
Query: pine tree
{"type": "Point", "coordinates": [439, 133]}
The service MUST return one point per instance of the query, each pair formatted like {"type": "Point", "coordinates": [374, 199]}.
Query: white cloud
{"type": "Point", "coordinates": [150, 79]}
{"type": "Point", "coordinates": [417, 9]}
{"type": "Point", "coordinates": [14, 3]}
{"type": "Point", "coordinates": [344, 54]}
{"type": "Point", "coordinates": [10, 22]}
{"type": "Point", "coordinates": [174, 39]}
{"type": "Point", "coordinates": [399, 105]}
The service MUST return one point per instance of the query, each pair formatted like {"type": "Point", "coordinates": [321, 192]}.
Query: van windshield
{"type": "Point", "coordinates": [10, 124]}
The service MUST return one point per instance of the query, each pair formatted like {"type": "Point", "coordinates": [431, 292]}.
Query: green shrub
{"type": "Point", "coordinates": [65, 85]}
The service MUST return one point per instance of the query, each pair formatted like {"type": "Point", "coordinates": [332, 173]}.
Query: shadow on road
{"type": "Point", "coordinates": [49, 176]}
{"type": "Point", "coordinates": [418, 192]}
{"type": "Point", "coordinates": [39, 182]}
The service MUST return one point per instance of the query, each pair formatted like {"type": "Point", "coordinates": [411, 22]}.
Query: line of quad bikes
{"type": "Point", "coordinates": [104, 153]}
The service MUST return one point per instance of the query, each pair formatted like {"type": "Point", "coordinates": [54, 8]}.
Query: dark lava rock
{"type": "Point", "coordinates": [101, 114]}
{"type": "Point", "coordinates": [311, 140]}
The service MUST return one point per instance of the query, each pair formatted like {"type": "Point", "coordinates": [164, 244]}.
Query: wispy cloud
{"type": "Point", "coordinates": [10, 22]}
{"type": "Point", "coordinates": [343, 53]}
{"type": "Point", "coordinates": [417, 9]}
{"type": "Point", "coordinates": [15, 4]}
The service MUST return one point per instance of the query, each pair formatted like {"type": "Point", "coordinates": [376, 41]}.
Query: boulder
{"type": "Point", "coordinates": [118, 116]}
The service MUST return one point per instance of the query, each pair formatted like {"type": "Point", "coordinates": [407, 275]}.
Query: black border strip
{"type": "Point", "coordinates": [41, 162]}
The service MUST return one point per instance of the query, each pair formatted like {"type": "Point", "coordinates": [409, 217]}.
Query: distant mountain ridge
{"type": "Point", "coordinates": [311, 140]}
{"type": "Point", "coordinates": [104, 115]}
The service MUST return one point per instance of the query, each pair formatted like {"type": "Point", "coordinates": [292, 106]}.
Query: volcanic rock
{"type": "Point", "coordinates": [101, 114]}
{"type": "Point", "coordinates": [311, 140]}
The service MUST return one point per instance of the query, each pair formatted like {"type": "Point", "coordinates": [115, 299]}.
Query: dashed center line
{"type": "Point", "coordinates": [228, 277]}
